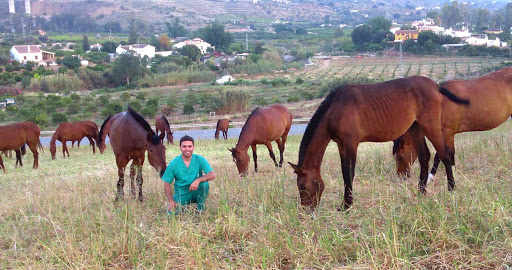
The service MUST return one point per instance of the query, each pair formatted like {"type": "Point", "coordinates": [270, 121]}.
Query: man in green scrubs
{"type": "Point", "coordinates": [190, 184]}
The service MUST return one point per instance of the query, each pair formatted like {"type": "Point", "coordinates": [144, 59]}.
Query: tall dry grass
{"type": "Point", "coordinates": [62, 215]}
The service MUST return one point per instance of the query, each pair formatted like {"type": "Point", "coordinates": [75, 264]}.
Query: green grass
{"type": "Point", "coordinates": [62, 215]}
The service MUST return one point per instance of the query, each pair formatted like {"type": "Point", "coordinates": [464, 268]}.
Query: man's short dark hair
{"type": "Point", "coordinates": [186, 138]}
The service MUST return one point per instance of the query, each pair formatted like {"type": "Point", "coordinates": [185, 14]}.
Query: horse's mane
{"type": "Point", "coordinates": [100, 140]}
{"type": "Point", "coordinates": [396, 144]}
{"type": "Point", "coordinates": [248, 118]}
{"type": "Point", "coordinates": [155, 140]}
{"type": "Point", "coordinates": [313, 124]}
{"type": "Point", "coordinates": [166, 122]}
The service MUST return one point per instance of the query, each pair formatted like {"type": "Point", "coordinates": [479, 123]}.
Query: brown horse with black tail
{"type": "Point", "coordinates": [222, 125]}
{"type": "Point", "coordinates": [15, 136]}
{"type": "Point", "coordinates": [491, 105]}
{"type": "Point", "coordinates": [379, 112]}
{"type": "Point", "coordinates": [130, 137]}
{"type": "Point", "coordinates": [162, 125]}
{"type": "Point", "coordinates": [263, 126]}
{"type": "Point", "coordinates": [73, 131]}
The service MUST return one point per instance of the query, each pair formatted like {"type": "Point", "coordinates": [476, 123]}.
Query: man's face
{"type": "Point", "coordinates": [187, 148]}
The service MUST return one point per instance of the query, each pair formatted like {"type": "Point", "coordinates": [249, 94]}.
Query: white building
{"type": "Point", "coordinates": [199, 43]}
{"type": "Point", "coordinates": [458, 33]}
{"type": "Point", "coordinates": [139, 50]}
{"type": "Point", "coordinates": [96, 46]}
{"type": "Point", "coordinates": [483, 40]}
{"type": "Point", "coordinates": [25, 53]}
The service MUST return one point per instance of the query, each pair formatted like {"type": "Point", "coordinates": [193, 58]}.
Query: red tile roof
{"type": "Point", "coordinates": [25, 49]}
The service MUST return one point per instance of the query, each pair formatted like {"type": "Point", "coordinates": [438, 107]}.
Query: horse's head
{"type": "Point", "coordinates": [156, 153]}
{"type": "Point", "coordinates": [241, 159]}
{"type": "Point", "coordinates": [170, 138]}
{"type": "Point", "coordinates": [53, 149]}
{"type": "Point", "coordinates": [101, 145]}
{"type": "Point", "coordinates": [405, 155]}
{"type": "Point", "coordinates": [310, 186]}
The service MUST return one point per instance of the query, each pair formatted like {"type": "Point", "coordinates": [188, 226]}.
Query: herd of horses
{"type": "Point", "coordinates": [404, 111]}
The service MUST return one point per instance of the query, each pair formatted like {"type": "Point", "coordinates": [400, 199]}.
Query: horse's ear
{"type": "Point", "coordinates": [231, 150]}
{"type": "Point", "coordinates": [149, 136]}
{"type": "Point", "coordinates": [296, 168]}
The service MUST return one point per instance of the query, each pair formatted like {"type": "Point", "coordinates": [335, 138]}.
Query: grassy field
{"type": "Point", "coordinates": [62, 215]}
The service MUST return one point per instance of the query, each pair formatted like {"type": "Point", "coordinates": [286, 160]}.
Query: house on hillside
{"type": "Point", "coordinates": [199, 43]}
{"type": "Point", "coordinates": [25, 53]}
{"type": "Point", "coordinates": [139, 50]}
{"type": "Point", "coordinates": [403, 35]}
{"type": "Point", "coordinates": [483, 40]}
{"type": "Point", "coordinates": [96, 47]}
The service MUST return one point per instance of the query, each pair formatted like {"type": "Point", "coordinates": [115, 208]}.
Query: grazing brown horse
{"type": "Point", "coordinates": [15, 136]}
{"type": "Point", "coordinates": [491, 105]}
{"type": "Point", "coordinates": [162, 125]}
{"type": "Point", "coordinates": [263, 126]}
{"type": "Point", "coordinates": [73, 131]}
{"type": "Point", "coordinates": [377, 112]}
{"type": "Point", "coordinates": [130, 137]}
{"type": "Point", "coordinates": [222, 125]}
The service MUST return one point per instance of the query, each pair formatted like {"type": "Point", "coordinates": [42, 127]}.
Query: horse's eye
{"type": "Point", "coordinates": [302, 187]}
{"type": "Point", "coordinates": [400, 158]}
{"type": "Point", "coordinates": [151, 150]}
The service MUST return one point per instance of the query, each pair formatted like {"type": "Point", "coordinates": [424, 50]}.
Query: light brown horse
{"type": "Point", "coordinates": [491, 105]}
{"type": "Point", "coordinates": [263, 126]}
{"type": "Point", "coordinates": [130, 137]}
{"type": "Point", "coordinates": [13, 137]}
{"type": "Point", "coordinates": [379, 112]}
{"type": "Point", "coordinates": [162, 125]}
{"type": "Point", "coordinates": [73, 131]}
{"type": "Point", "coordinates": [222, 125]}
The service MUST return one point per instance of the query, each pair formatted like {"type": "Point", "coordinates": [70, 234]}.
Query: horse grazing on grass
{"type": "Point", "coordinates": [15, 136]}
{"type": "Point", "coordinates": [130, 137]}
{"type": "Point", "coordinates": [263, 126]}
{"type": "Point", "coordinates": [491, 105]}
{"type": "Point", "coordinates": [162, 125]}
{"type": "Point", "coordinates": [222, 125]}
{"type": "Point", "coordinates": [379, 112]}
{"type": "Point", "coordinates": [73, 131]}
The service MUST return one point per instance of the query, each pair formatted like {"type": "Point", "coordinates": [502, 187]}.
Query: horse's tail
{"type": "Point", "coordinates": [217, 129]}
{"type": "Point", "coordinates": [105, 127]}
{"type": "Point", "coordinates": [451, 96]}
{"type": "Point", "coordinates": [24, 148]}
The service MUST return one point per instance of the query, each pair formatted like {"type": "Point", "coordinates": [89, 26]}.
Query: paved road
{"type": "Point", "coordinates": [202, 134]}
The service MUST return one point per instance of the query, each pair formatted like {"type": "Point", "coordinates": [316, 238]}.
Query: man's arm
{"type": "Point", "coordinates": [168, 192]}
{"type": "Point", "coordinates": [205, 178]}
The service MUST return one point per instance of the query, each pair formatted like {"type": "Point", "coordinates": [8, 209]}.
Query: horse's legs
{"type": "Point", "coordinates": [435, 165]}
{"type": "Point", "coordinates": [271, 152]}
{"type": "Point", "coordinates": [444, 152]}
{"type": "Point", "coordinates": [280, 146]}
{"type": "Point", "coordinates": [140, 180]}
{"type": "Point", "coordinates": [225, 133]}
{"type": "Point", "coordinates": [132, 178]}
{"type": "Point", "coordinates": [121, 165]}
{"type": "Point", "coordinates": [2, 163]}
{"type": "Point", "coordinates": [91, 141]}
{"type": "Point", "coordinates": [421, 147]}
{"type": "Point", "coordinates": [255, 157]}
{"type": "Point", "coordinates": [72, 144]}
{"type": "Point", "coordinates": [33, 148]}
{"type": "Point", "coordinates": [18, 158]}
{"type": "Point", "coordinates": [348, 155]}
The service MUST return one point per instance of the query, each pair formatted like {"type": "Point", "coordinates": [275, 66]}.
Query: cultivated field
{"type": "Point", "coordinates": [62, 215]}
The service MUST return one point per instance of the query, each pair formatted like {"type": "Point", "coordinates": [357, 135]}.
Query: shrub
{"type": "Point", "coordinates": [261, 101]}
{"type": "Point", "coordinates": [3, 115]}
{"type": "Point", "coordinates": [228, 101]}
{"type": "Point", "coordinates": [293, 99]}
{"type": "Point", "coordinates": [339, 82]}
{"type": "Point", "coordinates": [111, 109]}
{"type": "Point", "coordinates": [148, 112]}
{"type": "Point", "coordinates": [58, 118]}
{"type": "Point", "coordinates": [299, 81]}
{"type": "Point", "coordinates": [91, 108]}
{"type": "Point", "coordinates": [188, 108]}
{"type": "Point", "coordinates": [135, 104]}
{"type": "Point", "coordinates": [73, 108]}
{"type": "Point", "coordinates": [11, 91]}
{"type": "Point", "coordinates": [141, 97]}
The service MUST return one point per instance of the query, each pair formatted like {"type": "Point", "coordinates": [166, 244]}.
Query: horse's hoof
{"type": "Point", "coordinates": [430, 178]}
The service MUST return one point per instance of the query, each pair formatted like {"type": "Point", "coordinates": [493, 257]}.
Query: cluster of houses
{"type": "Point", "coordinates": [467, 37]}
{"type": "Point", "coordinates": [6, 102]}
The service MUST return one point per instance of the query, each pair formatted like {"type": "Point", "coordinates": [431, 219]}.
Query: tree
{"type": "Point", "coordinates": [132, 39]}
{"type": "Point", "coordinates": [258, 49]}
{"type": "Point", "coordinates": [109, 47]}
{"type": "Point", "coordinates": [301, 31]}
{"type": "Point", "coordinates": [85, 43]}
{"type": "Point", "coordinates": [127, 67]}
{"type": "Point", "coordinates": [174, 29]}
{"type": "Point", "coordinates": [164, 41]}
{"type": "Point", "coordinates": [481, 18]}
{"type": "Point", "coordinates": [338, 32]}
{"type": "Point", "coordinates": [191, 51]}
{"type": "Point", "coordinates": [71, 62]}
{"type": "Point", "coordinates": [453, 14]}
{"type": "Point", "coordinates": [361, 35]}
{"type": "Point", "coordinates": [216, 36]}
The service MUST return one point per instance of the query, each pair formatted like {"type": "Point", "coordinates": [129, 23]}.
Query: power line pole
{"type": "Point", "coordinates": [246, 42]}
{"type": "Point", "coordinates": [401, 63]}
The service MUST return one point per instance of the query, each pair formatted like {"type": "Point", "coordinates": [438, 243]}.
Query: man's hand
{"type": "Point", "coordinates": [172, 205]}
{"type": "Point", "coordinates": [194, 185]}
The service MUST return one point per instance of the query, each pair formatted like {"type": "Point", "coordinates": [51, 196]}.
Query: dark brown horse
{"type": "Point", "coordinates": [263, 126]}
{"type": "Point", "coordinates": [222, 125]}
{"type": "Point", "coordinates": [378, 112]}
{"type": "Point", "coordinates": [15, 136]}
{"type": "Point", "coordinates": [491, 105]}
{"type": "Point", "coordinates": [130, 137]}
{"type": "Point", "coordinates": [162, 125]}
{"type": "Point", "coordinates": [73, 131]}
